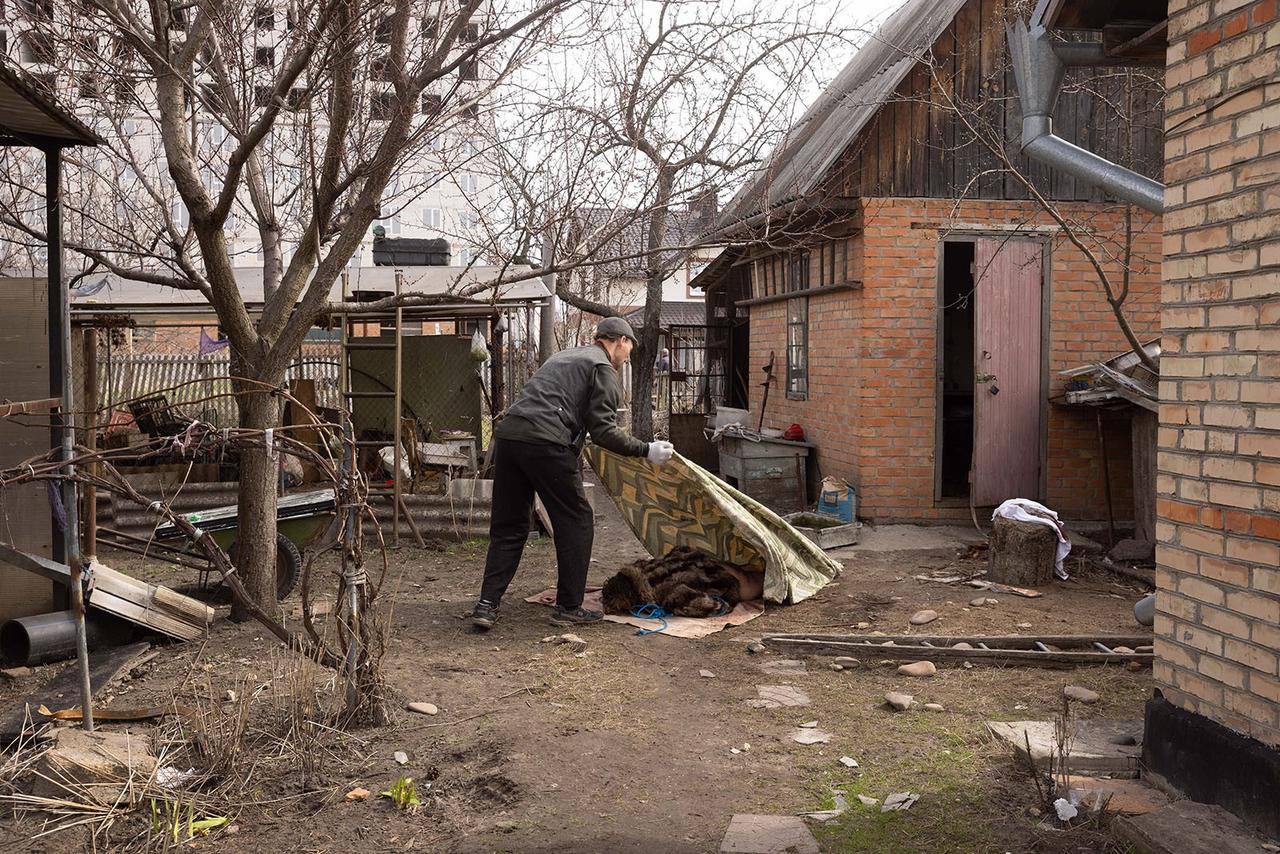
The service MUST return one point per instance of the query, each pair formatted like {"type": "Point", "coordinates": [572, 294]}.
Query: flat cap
{"type": "Point", "coordinates": [615, 327]}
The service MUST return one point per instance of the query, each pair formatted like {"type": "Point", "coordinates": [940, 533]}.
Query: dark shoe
{"type": "Point", "coordinates": [484, 616]}
{"type": "Point", "coordinates": [575, 616]}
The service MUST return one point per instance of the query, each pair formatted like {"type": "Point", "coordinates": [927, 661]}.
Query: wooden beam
{"type": "Point", "coordinates": [104, 665]}
{"type": "Point", "coordinates": [30, 407]}
{"type": "Point", "coordinates": [149, 605]}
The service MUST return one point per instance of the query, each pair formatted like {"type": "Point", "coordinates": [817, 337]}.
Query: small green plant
{"type": "Point", "coordinates": [166, 817]}
{"type": "Point", "coordinates": [404, 794]}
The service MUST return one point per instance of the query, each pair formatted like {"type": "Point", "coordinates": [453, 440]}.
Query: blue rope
{"type": "Point", "coordinates": [651, 611]}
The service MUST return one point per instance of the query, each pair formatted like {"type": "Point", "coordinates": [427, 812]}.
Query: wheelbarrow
{"type": "Point", "coordinates": [300, 517]}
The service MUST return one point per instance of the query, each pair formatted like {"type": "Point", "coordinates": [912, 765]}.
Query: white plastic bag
{"type": "Point", "coordinates": [479, 347]}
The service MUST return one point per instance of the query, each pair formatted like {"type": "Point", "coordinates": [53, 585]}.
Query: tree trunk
{"type": "Point", "coordinates": [642, 359]}
{"type": "Point", "coordinates": [256, 524]}
{"type": "Point", "coordinates": [1022, 553]}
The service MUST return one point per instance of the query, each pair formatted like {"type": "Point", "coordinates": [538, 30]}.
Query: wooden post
{"type": "Point", "coordinates": [1144, 427]}
{"type": "Point", "coordinates": [91, 440]}
{"type": "Point", "coordinates": [1022, 553]}
{"type": "Point", "coordinates": [397, 433]}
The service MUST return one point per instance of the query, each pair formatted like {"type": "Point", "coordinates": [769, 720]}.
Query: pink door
{"type": "Point", "coordinates": [1008, 392]}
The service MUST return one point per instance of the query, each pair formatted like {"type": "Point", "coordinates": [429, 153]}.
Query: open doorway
{"type": "Point", "coordinates": [956, 369]}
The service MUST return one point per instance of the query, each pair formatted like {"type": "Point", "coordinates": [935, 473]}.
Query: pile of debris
{"type": "Point", "coordinates": [1124, 378]}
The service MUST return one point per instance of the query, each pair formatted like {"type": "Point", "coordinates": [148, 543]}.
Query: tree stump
{"type": "Point", "coordinates": [1022, 553]}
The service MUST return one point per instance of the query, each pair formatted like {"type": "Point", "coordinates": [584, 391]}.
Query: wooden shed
{"type": "Point", "coordinates": [916, 296]}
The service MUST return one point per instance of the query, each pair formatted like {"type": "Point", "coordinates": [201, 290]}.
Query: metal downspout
{"type": "Point", "coordinates": [1039, 65]}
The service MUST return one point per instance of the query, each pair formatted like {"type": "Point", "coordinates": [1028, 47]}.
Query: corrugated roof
{"type": "Point", "coordinates": [28, 117]}
{"type": "Point", "coordinates": [840, 113]}
{"type": "Point", "coordinates": [673, 314]}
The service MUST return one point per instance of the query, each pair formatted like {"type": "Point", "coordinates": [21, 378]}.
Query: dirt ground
{"type": "Point", "coordinates": [629, 748]}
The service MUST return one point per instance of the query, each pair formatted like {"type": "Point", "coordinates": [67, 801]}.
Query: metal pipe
{"type": "Point", "coordinates": [351, 575]}
{"type": "Point", "coordinates": [60, 299]}
{"type": "Point", "coordinates": [1038, 71]}
{"type": "Point", "coordinates": [91, 439]}
{"type": "Point", "coordinates": [45, 638]}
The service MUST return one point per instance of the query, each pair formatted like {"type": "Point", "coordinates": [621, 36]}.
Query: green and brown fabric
{"type": "Point", "coordinates": [682, 504]}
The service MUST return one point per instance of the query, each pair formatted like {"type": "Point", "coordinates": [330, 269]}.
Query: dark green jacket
{"type": "Point", "coordinates": [574, 395]}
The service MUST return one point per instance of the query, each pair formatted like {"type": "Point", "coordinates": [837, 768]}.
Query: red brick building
{"type": "Point", "coordinates": [917, 302]}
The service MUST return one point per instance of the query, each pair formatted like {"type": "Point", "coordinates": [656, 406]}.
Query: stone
{"type": "Point", "coordinates": [775, 696]}
{"type": "Point", "coordinates": [1188, 827]}
{"type": "Point", "coordinates": [423, 708]}
{"type": "Point", "coordinates": [230, 696]}
{"type": "Point", "coordinates": [848, 762]}
{"type": "Point", "coordinates": [401, 757]}
{"type": "Point", "coordinates": [934, 707]}
{"type": "Point", "coordinates": [846, 661]}
{"type": "Point", "coordinates": [920, 618]}
{"type": "Point", "coordinates": [978, 602]}
{"type": "Point", "coordinates": [864, 625]}
{"type": "Point", "coordinates": [783, 665]}
{"type": "Point", "coordinates": [768, 834]}
{"type": "Point", "coordinates": [918, 668]}
{"type": "Point", "coordinates": [991, 601]}
{"type": "Point", "coordinates": [1122, 650]}
{"type": "Point", "coordinates": [899, 801]}
{"type": "Point", "coordinates": [867, 801]}
{"type": "Point", "coordinates": [899, 702]}
{"type": "Point", "coordinates": [110, 766]}
{"type": "Point", "coordinates": [810, 736]}
{"type": "Point", "coordinates": [706, 674]}
{"type": "Point", "coordinates": [962, 645]}
{"type": "Point", "coordinates": [755, 647]}
{"type": "Point", "coordinates": [1093, 750]}
{"type": "Point", "coordinates": [1081, 695]}
{"type": "Point", "coordinates": [358, 794]}
{"type": "Point", "coordinates": [1024, 625]}
{"type": "Point", "coordinates": [574, 642]}
{"type": "Point", "coordinates": [16, 673]}
{"type": "Point", "coordinates": [1124, 797]}
{"type": "Point", "coordinates": [834, 666]}
{"type": "Point", "coordinates": [809, 724]}
{"type": "Point", "coordinates": [1133, 551]}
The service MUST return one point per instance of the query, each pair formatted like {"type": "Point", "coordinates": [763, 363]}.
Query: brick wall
{"type": "Point", "coordinates": [1218, 606]}
{"type": "Point", "coordinates": [872, 359]}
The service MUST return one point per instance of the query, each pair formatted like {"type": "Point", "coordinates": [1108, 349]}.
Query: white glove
{"type": "Point", "coordinates": [660, 452]}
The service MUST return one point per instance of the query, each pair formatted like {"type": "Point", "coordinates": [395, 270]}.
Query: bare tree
{"type": "Point", "coordinates": [681, 99]}
{"type": "Point", "coordinates": [276, 129]}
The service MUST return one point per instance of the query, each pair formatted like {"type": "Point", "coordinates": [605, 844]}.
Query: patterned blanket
{"type": "Point", "coordinates": [683, 504]}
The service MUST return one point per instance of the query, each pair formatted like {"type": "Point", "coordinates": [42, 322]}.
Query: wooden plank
{"type": "Point", "coordinates": [1144, 428]}
{"type": "Point", "coordinates": [941, 120]}
{"type": "Point", "coordinates": [1028, 657]}
{"type": "Point", "coordinates": [148, 605]}
{"type": "Point", "coordinates": [991, 65]}
{"type": "Point", "coordinates": [966, 92]}
{"type": "Point", "coordinates": [1026, 642]}
{"type": "Point", "coordinates": [29, 407]}
{"type": "Point", "coordinates": [104, 665]}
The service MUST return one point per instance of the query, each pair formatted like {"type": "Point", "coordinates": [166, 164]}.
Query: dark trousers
{"type": "Point", "coordinates": [552, 471]}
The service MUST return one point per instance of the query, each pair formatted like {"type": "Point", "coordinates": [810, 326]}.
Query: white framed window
{"type": "Point", "coordinates": [468, 182]}
{"type": "Point", "coordinates": [468, 220]}
{"type": "Point", "coordinates": [431, 217]}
